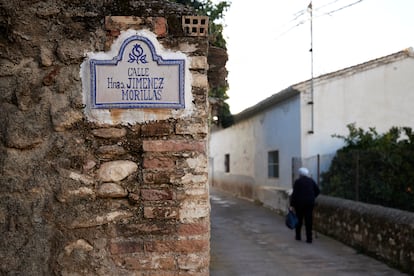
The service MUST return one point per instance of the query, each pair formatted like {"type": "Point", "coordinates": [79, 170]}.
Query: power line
{"type": "Point", "coordinates": [291, 28]}
{"type": "Point", "coordinates": [298, 15]}
{"type": "Point", "coordinates": [326, 5]}
{"type": "Point", "coordinates": [344, 7]}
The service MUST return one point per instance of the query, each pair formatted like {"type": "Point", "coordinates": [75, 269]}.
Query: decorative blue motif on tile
{"type": "Point", "coordinates": [137, 55]}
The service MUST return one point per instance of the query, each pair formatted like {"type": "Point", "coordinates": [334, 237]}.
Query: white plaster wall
{"type": "Point", "coordinates": [249, 142]}
{"type": "Point", "coordinates": [379, 97]}
{"type": "Point", "coordinates": [238, 141]}
{"type": "Point", "coordinates": [278, 129]}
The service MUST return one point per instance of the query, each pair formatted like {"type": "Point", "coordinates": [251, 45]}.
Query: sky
{"type": "Point", "coordinates": [268, 41]}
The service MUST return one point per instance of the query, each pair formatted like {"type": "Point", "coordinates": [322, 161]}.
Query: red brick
{"type": "Point", "coordinates": [180, 246]}
{"type": "Point", "coordinates": [173, 146]}
{"type": "Point", "coordinates": [159, 246]}
{"type": "Point", "coordinates": [154, 195]}
{"type": "Point", "coordinates": [192, 246]}
{"type": "Point", "coordinates": [123, 247]}
{"type": "Point", "coordinates": [160, 26]}
{"type": "Point", "coordinates": [157, 129]}
{"type": "Point", "coordinates": [158, 163]}
{"type": "Point", "coordinates": [109, 133]}
{"type": "Point", "coordinates": [146, 228]}
{"type": "Point", "coordinates": [193, 229]}
{"type": "Point", "coordinates": [123, 22]}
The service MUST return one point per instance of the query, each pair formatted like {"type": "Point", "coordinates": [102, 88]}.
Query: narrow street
{"type": "Point", "coordinates": [247, 239]}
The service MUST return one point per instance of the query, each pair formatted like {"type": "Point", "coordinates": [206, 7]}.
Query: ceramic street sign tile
{"type": "Point", "coordinates": [137, 78]}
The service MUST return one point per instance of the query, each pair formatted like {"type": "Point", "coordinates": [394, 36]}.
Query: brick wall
{"type": "Point", "coordinates": [97, 198]}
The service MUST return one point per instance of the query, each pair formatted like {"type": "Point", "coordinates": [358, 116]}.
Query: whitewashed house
{"type": "Point", "coordinates": [256, 152]}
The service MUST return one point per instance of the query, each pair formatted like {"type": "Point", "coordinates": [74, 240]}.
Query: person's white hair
{"type": "Point", "coordinates": [304, 171]}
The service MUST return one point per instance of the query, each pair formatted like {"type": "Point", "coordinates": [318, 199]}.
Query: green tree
{"type": "Point", "coordinates": [374, 168]}
{"type": "Point", "coordinates": [215, 12]}
{"type": "Point", "coordinates": [225, 118]}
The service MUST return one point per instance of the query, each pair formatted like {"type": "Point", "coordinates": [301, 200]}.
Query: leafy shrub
{"type": "Point", "coordinates": [374, 168]}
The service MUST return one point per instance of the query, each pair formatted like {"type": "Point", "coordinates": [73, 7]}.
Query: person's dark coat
{"type": "Point", "coordinates": [302, 200]}
{"type": "Point", "coordinates": [305, 191]}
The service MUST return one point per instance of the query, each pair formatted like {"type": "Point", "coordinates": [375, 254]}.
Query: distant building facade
{"type": "Point", "coordinates": [299, 121]}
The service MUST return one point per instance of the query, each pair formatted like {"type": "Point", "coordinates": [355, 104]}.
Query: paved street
{"type": "Point", "coordinates": [247, 239]}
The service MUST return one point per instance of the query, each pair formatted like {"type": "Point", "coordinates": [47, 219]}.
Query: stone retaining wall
{"type": "Point", "coordinates": [384, 233]}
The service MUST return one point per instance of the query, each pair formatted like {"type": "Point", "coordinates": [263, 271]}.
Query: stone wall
{"type": "Point", "coordinates": [384, 233]}
{"type": "Point", "coordinates": [89, 198]}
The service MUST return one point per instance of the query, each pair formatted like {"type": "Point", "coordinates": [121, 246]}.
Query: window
{"type": "Point", "coordinates": [273, 163]}
{"type": "Point", "coordinates": [227, 163]}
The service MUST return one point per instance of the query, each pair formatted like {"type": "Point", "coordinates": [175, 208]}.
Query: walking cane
{"type": "Point", "coordinates": [315, 233]}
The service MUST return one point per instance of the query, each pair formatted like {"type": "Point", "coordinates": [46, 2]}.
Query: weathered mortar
{"type": "Point", "coordinates": [82, 198]}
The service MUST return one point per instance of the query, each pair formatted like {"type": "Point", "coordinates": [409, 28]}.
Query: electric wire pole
{"type": "Point", "coordinates": [310, 9]}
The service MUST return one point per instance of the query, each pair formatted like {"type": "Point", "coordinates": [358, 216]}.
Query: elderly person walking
{"type": "Point", "coordinates": [302, 202]}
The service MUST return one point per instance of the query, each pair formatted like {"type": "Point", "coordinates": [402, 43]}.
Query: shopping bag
{"type": "Point", "coordinates": [291, 220]}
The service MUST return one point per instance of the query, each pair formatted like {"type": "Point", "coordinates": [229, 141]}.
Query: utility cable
{"type": "Point", "coordinates": [300, 13]}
